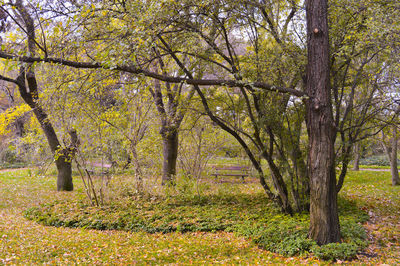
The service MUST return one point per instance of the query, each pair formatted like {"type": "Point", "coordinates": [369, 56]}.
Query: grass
{"type": "Point", "coordinates": [371, 167]}
{"type": "Point", "coordinates": [230, 207]}
{"type": "Point", "coordinates": [372, 191]}
{"type": "Point", "coordinates": [26, 242]}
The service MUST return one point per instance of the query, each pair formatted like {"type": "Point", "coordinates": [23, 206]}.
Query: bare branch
{"type": "Point", "coordinates": [138, 71]}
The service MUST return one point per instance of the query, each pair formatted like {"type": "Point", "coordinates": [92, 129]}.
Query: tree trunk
{"type": "Point", "coordinates": [170, 153]}
{"type": "Point", "coordinates": [324, 219]}
{"type": "Point", "coordinates": [28, 89]}
{"type": "Point", "coordinates": [63, 162]}
{"type": "Point", "coordinates": [301, 190]}
{"type": "Point", "coordinates": [171, 118]}
{"type": "Point", "coordinates": [137, 168]}
{"type": "Point", "coordinates": [279, 184]}
{"type": "Point", "coordinates": [64, 176]}
{"type": "Point", "coordinates": [63, 157]}
{"type": "Point", "coordinates": [357, 155]}
{"type": "Point", "coordinates": [19, 127]}
{"type": "Point", "coordinates": [394, 170]}
{"type": "Point", "coordinates": [393, 159]}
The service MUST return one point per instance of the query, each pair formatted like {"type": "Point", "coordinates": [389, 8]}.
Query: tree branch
{"type": "Point", "coordinates": [138, 71]}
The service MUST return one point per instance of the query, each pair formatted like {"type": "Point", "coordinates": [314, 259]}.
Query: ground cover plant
{"type": "Point", "coordinates": [230, 207]}
{"type": "Point", "coordinates": [198, 225]}
{"type": "Point", "coordinates": [26, 242]}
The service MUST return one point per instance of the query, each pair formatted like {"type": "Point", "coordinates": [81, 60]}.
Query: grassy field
{"type": "Point", "coordinates": [26, 242]}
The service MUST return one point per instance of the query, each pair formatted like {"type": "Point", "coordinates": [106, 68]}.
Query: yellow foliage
{"type": "Point", "coordinates": [10, 115]}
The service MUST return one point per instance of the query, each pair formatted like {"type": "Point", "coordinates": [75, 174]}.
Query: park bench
{"type": "Point", "coordinates": [105, 168]}
{"type": "Point", "coordinates": [238, 170]}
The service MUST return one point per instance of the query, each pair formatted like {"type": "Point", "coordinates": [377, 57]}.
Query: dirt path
{"type": "Point", "coordinates": [375, 169]}
{"type": "Point", "coordinates": [12, 169]}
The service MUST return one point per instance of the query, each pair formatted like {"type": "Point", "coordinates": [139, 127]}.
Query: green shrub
{"type": "Point", "coordinates": [295, 245]}
{"type": "Point", "coordinates": [336, 251]}
{"type": "Point", "coordinates": [282, 234]}
{"type": "Point", "coordinates": [249, 215]}
{"type": "Point", "coordinates": [352, 230]}
{"type": "Point", "coordinates": [379, 160]}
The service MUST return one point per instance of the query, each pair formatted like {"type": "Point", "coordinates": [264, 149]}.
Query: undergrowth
{"type": "Point", "coordinates": [246, 214]}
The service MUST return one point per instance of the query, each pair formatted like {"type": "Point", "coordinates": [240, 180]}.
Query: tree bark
{"type": "Point", "coordinates": [394, 169]}
{"type": "Point", "coordinates": [170, 154]}
{"type": "Point", "coordinates": [19, 127]}
{"type": "Point", "coordinates": [28, 89]}
{"type": "Point", "coordinates": [137, 167]}
{"type": "Point", "coordinates": [392, 155]}
{"type": "Point", "coordinates": [301, 190]}
{"type": "Point", "coordinates": [64, 176]}
{"type": "Point", "coordinates": [324, 219]}
{"type": "Point", "coordinates": [357, 155]}
{"type": "Point", "coordinates": [63, 162]}
{"type": "Point", "coordinates": [63, 157]}
{"type": "Point", "coordinates": [171, 116]}
{"type": "Point", "coordinates": [279, 184]}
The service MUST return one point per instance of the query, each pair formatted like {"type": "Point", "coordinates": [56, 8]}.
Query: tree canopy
{"type": "Point", "coordinates": [264, 72]}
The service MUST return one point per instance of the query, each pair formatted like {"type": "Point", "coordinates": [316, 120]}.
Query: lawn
{"type": "Point", "coordinates": [24, 241]}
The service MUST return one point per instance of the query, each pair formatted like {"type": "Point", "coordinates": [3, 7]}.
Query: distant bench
{"type": "Point", "coordinates": [239, 170]}
{"type": "Point", "coordinates": [105, 168]}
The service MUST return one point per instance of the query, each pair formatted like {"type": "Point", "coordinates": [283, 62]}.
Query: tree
{"type": "Point", "coordinates": [191, 27]}
{"type": "Point", "coordinates": [110, 110]}
{"type": "Point", "coordinates": [324, 217]}
{"type": "Point", "coordinates": [171, 110]}
{"type": "Point", "coordinates": [390, 147]}
{"type": "Point", "coordinates": [357, 156]}
{"type": "Point", "coordinates": [29, 92]}
{"type": "Point", "coordinates": [185, 33]}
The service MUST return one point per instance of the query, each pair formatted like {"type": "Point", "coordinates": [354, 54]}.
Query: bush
{"type": "Point", "coordinates": [9, 158]}
{"type": "Point", "coordinates": [295, 245]}
{"type": "Point", "coordinates": [379, 160]}
{"type": "Point", "coordinates": [352, 230]}
{"type": "Point", "coordinates": [336, 251]}
{"type": "Point", "coordinates": [287, 236]}
{"type": "Point", "coordinates": [250, 215]}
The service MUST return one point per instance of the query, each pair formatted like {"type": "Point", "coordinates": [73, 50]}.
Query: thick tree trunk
{"type": "Point", "coordinates": [170, 153]}
{"type": "Point", "coordinates": [64, 176]}
{"type": "Point", "coordinates": [171, 119]}
{"type": "Point", "coordinates": [324, 219]}
{"type": "Point", "coordinates": [357, 155]}
{"type": "Point", "coordinates": [63, 162]}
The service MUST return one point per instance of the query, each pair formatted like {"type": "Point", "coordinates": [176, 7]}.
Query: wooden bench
{"type": "Point", "coordinates": [238, 170]}
{"type": "Point", "coordinates": [105, 168]}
